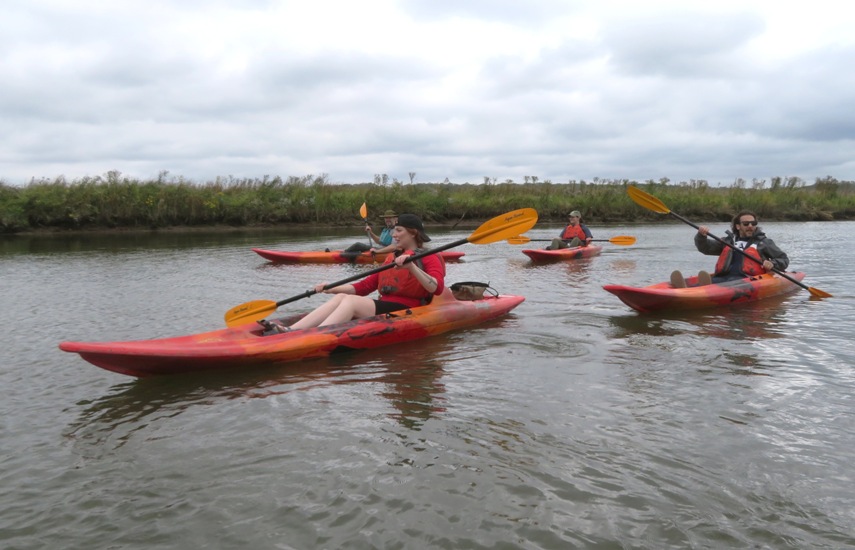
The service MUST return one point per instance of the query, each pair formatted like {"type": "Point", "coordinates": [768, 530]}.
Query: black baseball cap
{"type": "Point", "coordinates": [411, 221]}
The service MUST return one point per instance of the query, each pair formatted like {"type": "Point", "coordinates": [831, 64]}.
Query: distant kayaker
{"type": "Point", "coordinates": [407, 285]}
{"type": "Point", "coordinates": [383, 240]}
{"type": "Point", "coordinates": [747, 236]}
{"type": "Point", "coordinates": [575, 234]}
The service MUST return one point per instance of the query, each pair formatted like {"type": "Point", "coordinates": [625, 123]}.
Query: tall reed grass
{"type": "Point", "coordinates": [113, 201]}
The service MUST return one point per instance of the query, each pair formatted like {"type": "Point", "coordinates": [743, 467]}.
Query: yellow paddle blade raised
{"type": "Point", "coordinates": [497, 229]}
{"type": "Point", "coordinates": [504, 227]}
{"type": "Point", "coordinates": [647, 200]}
{"type": "Point", "coordinates": [363, 211]}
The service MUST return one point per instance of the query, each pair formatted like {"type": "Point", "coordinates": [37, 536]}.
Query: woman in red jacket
{"type": "Point", "coordinates": [404, 286]}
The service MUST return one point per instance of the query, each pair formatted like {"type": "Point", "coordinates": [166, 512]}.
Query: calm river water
{"type": "Point", "coordinates": [574, 422]}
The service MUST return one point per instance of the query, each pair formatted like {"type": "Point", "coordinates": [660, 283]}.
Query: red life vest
{"type": "Point", "coordinates": [400, 282]}
{"type": "Point", "coordinates": [574, 231]}
{"type": "Point", "coordinates": [751, 265]}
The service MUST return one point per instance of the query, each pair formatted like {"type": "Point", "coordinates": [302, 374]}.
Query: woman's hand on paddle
{"type": "Point", "coordinates": [703, 230]}
{"type": "Point", "coordinates": [341, 289]}
{"type": "Point", "coordinates": [768, 265]}
{"type": "Point", "coordinates": [411, 266]}
{"type": "Point", "coordinates": [319, 288]}
{"type": "Point", "coordinates": [399, 261]}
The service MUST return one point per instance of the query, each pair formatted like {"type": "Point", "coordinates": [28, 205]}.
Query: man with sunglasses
{"type": "Point", "coordinates": [763, 254]}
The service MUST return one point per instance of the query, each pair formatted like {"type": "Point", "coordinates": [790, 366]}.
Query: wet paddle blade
{"type": "Point", "coordinates": [249, 311]}
{"type": "Point", "coordinates": [818, 293]}
{"type": "Point", "coordinates": [647, 200]}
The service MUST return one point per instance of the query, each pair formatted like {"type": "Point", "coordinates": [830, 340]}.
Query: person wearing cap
{"type": "Point", "coordinates": [384, 239]}
{"type": "Point", "coordinates": [746, 235]}
{"type": "Point", "coordinates": [408, 284]}
{"type": "Point", "coordinates": [575, 234]}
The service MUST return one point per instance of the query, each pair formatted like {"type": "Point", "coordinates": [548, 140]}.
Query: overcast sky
{"type": "Point", "coordinates": [453, 89]}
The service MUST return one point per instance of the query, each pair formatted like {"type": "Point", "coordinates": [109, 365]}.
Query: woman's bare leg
{"type": "Point", "coordinates": [351, 307]}
{"type": "Point", "coordinates": [317, 316]}
{"type": "Point", "coordinates": [340, 308]}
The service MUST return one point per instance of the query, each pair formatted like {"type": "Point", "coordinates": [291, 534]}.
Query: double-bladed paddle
{"type": "Point", "coordinates": [622, 240]}
{"type": "Point", "coordinates": [650, 202]}
{"type": "Point", "coordinates": [497, 229]}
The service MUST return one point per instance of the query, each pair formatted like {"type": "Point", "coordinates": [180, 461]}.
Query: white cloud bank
{"type": "Point", "coordinates": [443, 88]}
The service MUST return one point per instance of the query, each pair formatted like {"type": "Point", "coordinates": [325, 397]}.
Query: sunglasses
{"type": "Point", "coordinates": [746, 224]}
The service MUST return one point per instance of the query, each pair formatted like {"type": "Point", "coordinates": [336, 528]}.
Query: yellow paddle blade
{"type": "Point", "coordinates": [249, 311]}
{"type": "Point", "coordinates": [363, 211]}
{"type": "Point", "coordinates": [519, 240]}
{"type": "Point", "coordinates": [622, 240]}
{"type": "Point", "coordinates": [818, 293]}
{"type": "Point", "coordinates": [647, 200]}
{"type": "Point", "coordinates": [505, 226]}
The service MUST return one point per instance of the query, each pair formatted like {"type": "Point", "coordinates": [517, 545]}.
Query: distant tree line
{"type": "Point", "coordinates": [116, 201]}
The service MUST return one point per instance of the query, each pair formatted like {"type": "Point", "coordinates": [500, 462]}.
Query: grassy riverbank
{"type": "Point", "coordinates": [117, 202]}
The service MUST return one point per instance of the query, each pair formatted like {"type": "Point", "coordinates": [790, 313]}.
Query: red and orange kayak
{"type": "Point", "coordinates": [336, 256]}
{"type": "Point", "coordinates": [542, 255]}
{"type": "Point", "coordinates": [663, 296]}
{"type": "Point", "coordinates": [244, 346]}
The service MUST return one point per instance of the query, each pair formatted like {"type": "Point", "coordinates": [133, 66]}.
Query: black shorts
{"type": "Point", "coordinates": [387, 306]}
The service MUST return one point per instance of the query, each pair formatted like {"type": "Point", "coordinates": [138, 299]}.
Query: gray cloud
{"type": "Point", "coordinates": [682, 44]}
{"type": "Point", "coordinates": [673, 93]}
{"type": "Point", "coordinates": [502, 11]}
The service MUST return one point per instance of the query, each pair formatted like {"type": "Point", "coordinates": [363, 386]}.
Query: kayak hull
{"type": "Point", "coordinates": [542, 255]}
{"type": "Point", "coordinates": [664, 297]}
{"type": "Point", "coordinates": [244, 346]}
{"type": "Point", "coordinates": [336, 256]}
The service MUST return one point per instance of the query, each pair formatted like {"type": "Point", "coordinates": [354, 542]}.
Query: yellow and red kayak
{"type": "Point", "coordinates": [244, 346]}
{"type": "Point", "coordinates": [541, 255]}
{"type": "Point", "coordinates": [663, 296]}
{"type": "Point", "coordinates": [336, 256]}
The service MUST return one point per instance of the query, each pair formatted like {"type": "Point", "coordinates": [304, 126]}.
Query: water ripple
{"type": "Point", "coordinates": [573, 422]}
